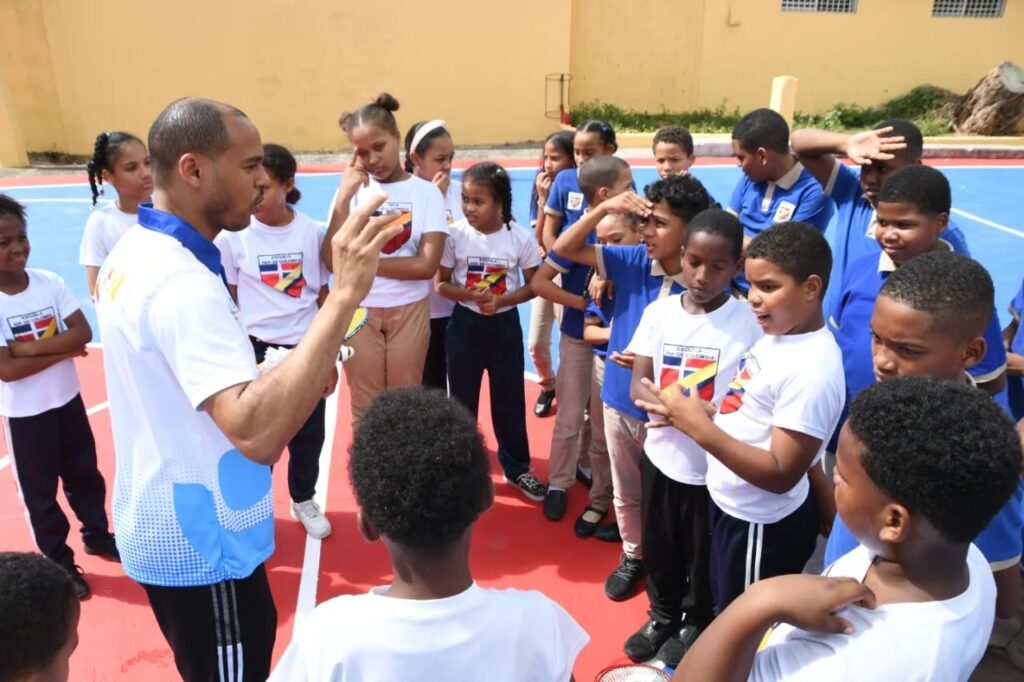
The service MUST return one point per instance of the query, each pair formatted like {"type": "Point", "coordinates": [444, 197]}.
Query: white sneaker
{"type": "Point", "coordinates": [308, 513]}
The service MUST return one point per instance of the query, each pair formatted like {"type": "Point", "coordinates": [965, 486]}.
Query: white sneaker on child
{"type": "Point", "coordinates": [309, 515]}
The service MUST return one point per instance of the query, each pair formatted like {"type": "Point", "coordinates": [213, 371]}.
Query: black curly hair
{"type": "Point", "coordinates": [677, 135]}
{"type": "Point", "coordinates": [943, 449]}
{"type": "Point", "coordinates": [496, 179]}
{"type": "Point", "coordinates": [797, 248]}
{"type": "Point", "coordinates": [11, 209]}
{"type": "Point", "coordinates": [419, 469]}
{"type": "Point", "coordinates": [599, 171]}
{"type": "Point", "coordinates": [684, 194]}
{"type": "Point", "coordinates": [36, 600]}
{"type": "Point", "coordinates": [955, 290]}
{"type": "Point", "coordinates": [104, 155]}
{"type": "Point", "coordinates": [718, 222]}
{"type": "Point", "coordinates": [762, 128]}
{"type": "Point", "coordinates": [280, 164]}
{"type": "Point", "coordinates": [923, 187]}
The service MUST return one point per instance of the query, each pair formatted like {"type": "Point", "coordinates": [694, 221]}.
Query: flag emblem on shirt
{"type": "Point", "coordinates": [448, 215]}
{"type": "Point", "coordinates": [784, 212]}
{"type": "Point", "coordinates": [574, 202]}
{"type": "Point", "coordinates": [690, 367]}
{"type": "Point", "coordinates": [738, 386]}
{"type": "Point", "coordinates": [487, 273]}
{"type": "Point", "coordinates": [283, 271]}
{"type": "Point", "coordinates": [405, 216]}
{"type": "Point", "coordinates": [40, 324]}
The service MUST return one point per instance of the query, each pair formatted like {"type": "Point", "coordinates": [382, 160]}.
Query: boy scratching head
{"type": "Point", "coordinates": [603, 177]}
{"type": "Point", "coordinates": [673, 151]}
{"type": "Point", "coordinates": [788, 268]}
{"type": "Point", "coordinates": [676, 200]}
{"type": "Point", "coordinates": [922, 467]}
{"type": "Point", "coordinates": [14, 246]}
{"type": "Point", "coordinates": [930, 318]}
{"type": "Point", "coordinates": [913, 209]}
{"type": "Point", "coordinates": [39, 628]}
{"type": "Point", "coordinates": [873, 174]}
{"type": "Point", "coordinates": [421, 476]}
{"type": "Point", "coordinates": [710, 257]}
{"type": "Point", "coordinates": [760, 142]}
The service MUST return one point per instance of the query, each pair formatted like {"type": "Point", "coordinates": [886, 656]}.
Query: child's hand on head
{"type": "Point", "coordinates": [872, 145]}
{"type": "Point", "coordinates": [686, 412]}
{"type": "Point", "coordinates": [810, 602]}
{"type": "Point", "coordinates": [442, 180]}
{"type": "Point", "coordinates": [627, 202]}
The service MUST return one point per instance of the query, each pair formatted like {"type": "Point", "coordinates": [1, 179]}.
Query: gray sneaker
{"type": "Point", "coordinates": [309, 515]}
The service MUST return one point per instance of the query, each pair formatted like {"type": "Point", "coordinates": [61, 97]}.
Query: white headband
{"type": "Point", "coordinates": [425, 129]}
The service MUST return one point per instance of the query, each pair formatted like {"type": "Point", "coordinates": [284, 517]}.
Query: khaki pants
{"type": "Point", "coordinates": [625, 436]}
{"type": "Point", "coordinates": [543, 315]}
{"type": "Point", "coordinates": [389, 352]}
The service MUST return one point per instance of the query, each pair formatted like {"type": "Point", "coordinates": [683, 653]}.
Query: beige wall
{"type": "Point", "coordinates": [76, 68]}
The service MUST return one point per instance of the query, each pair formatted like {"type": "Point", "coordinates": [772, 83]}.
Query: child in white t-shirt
{"type": "Point", "coordinates": [391, 349]}
{"type": "Point", "coordinates": [122, 160]}
{"type": "Point", "coordinates": [774, 421]}
{"type": "Point", "coordinates": [429, 152]}
{"type": "Point", "coordinates": [433, 622]}
{"type": "Point", "coordinates": [695, 340]}
{"type": "Point", "coordinates": [480, 271]}
{"type": "Point", "coordinates": [923, 465]}
{"type": "Point", "coordinates": [276, 276]}
{"type": "Point", "coordinates": [42, 329]}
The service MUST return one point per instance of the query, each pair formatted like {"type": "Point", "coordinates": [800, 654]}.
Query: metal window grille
{"type": "Point", "coordinates": [839, 6]}
{"type": "Point", "coordinates": [992, 9]}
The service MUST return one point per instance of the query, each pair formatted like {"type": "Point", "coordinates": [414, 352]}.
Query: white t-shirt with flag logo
{"type": "Point", "coordinates": [278, 272]}
{"type": "Point", "coordinates": [103, 228]}
{"type": "Point", "coordinates": [491, 261]}
{"type": "Point", "coordinates": [791, 382]}
{"type": "Point", "coordinates": [699, 351]}
{"type": "Point", "coordinates": [439, 305]}
{"type": "Point", "coordinates": [37, 313]}
{"type": "Point", "coordinates": [425, 206]}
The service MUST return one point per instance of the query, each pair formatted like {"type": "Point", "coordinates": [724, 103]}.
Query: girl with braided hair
{"type": "Point", "coordinates": [480, 271]}
{"type": "Point", "coordinates": [121, 160]}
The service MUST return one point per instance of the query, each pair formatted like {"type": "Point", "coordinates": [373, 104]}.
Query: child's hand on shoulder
{"type": "Point", "coordinates": [627, 202]}
{"type": "Point", "coordinates": [810, 602]}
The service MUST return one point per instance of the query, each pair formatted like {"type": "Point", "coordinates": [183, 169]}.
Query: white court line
{"type": "Point", "coordinates": [5, 461]}
{"type": "Point", "coordinates": [989, 223]}
{"type": "Point", "coordinates": [54, 201]}
{"type": "Point", "coordinates": [311, 557]}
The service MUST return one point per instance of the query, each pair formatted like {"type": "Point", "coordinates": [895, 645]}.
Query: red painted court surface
{"type": "Point", "coordinates": [513, 546]}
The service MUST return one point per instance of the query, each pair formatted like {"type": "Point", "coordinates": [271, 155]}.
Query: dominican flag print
{"type": "Point", "coordinates": [41, 324]}
{"type": "Point", "coordinates": [690, 367]}
{"type": "Point", "coordinates": [737, 387]}
{"type": "Point", "coordinates": [283, 271]}
{"type": "Point", "coordinates": [487, 273]}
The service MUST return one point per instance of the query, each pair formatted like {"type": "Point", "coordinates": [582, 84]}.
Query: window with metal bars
{"type": "Point", "coordinates": [838, 6]}
{"type": "Point", "coordinates": [991, 9]}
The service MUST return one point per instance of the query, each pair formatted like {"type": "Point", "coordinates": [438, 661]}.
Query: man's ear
{"type": "Point", "coordinates": [369, 531]}
{"type": "Point", "coordinates": [189, 170]}
{"type": "Point", "coordinates": [762, 155]}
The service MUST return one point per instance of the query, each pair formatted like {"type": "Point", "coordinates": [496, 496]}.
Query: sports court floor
{"type": "Point", "coordinates": [514, 546]}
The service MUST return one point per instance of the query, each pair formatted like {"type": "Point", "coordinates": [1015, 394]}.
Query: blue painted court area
{"type": "Point", "coordinates": [986, 200]}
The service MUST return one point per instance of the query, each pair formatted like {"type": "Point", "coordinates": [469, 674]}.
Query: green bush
{"type": "Point", "coordinates": [923, 105]}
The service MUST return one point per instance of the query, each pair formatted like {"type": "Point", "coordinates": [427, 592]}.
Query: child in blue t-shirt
{"type": "Point", "coordinates": [640, 274]}
{"type": "Point", "coordinates": [1013, 337]}
{"type": "Point", "coordinates": [929, 320]}
{"type": "Point", "coordinates": [891, 145]}
{"type": "Point", "coordinates": [775, 187]}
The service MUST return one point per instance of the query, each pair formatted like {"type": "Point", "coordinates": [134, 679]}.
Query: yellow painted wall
{"type": "Point", "coordinates": [293, 67]}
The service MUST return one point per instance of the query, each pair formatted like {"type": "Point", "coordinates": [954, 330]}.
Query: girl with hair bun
{"type": "Point", "coordinates": [391, 348]}
{"type": "Point", "coordinates": [276, 276]}
{"type": "Point", "coordinates": [121, 160]}
{"type": "Point", "coordinates": [429, 152]}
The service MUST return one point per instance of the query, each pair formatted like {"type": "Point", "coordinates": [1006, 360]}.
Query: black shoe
{"type": "Point", "coordinates": [103, 546]}
{"type": "Point", "coordinates": [608, 532]}
{"type": "Point", "coordinates": [588, 522]}
{"type": "Point", "coordinates": [529, 485]}
{"type": "Point", "coordinates": [554, 505]}
{"type": "Point", "coordinates": [583, 477]}
{"type": "Point", "coordinates": [643, 644]}
{"type": "Point", "coordinates": [542, 407]}
{"type": "Point", "coordinates": [676, 646]}
{"type": "Point", "coordinates": [78, 579]}
{"type": "Point", "coordinates": [623, 581]}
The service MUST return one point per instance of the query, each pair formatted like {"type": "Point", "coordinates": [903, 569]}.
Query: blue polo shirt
{"type": "Point", "coordinates": [1015, 384]}
{"type": "Point", "coordinates": [854, 236]}
{"type": "Point", "coordinates": [604, 314]}
{"type": "Point", "coordinates": [638, 281]}
{"type": "Point", "coordinates": [796, 196]}
{"type": "Point", "coordinates": [566, 199]}
{"type": "Point", "coordinates": [574, 280]}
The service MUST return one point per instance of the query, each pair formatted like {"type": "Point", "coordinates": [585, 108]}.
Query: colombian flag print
{"type": "Point", "coordinates": [737, 387]}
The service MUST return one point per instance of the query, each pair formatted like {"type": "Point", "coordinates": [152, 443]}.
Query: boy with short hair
{"type": "Point", "coordinates": [641, 275]}
{"type": "Point", "coordinates": [600, 177]}
{"type": "Point", "coordinates": [42, 328]}
{"type": "Point", "coordinates": [923, 465]}
{"type": "Point", "coordinates": [433, 622]}
{"type": "Point", "coordinates": [695, 340]}
{"type": "Point", "coordinates": [773, 423]}
{"type": "Point", "coordinates": [39, 628]}
{"type": "Point", "coordinates": [673, 151]}
{"type": "Point", "coordinates": [775, 187]}
{"type": "Point", "coordinates": [929, 320]}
